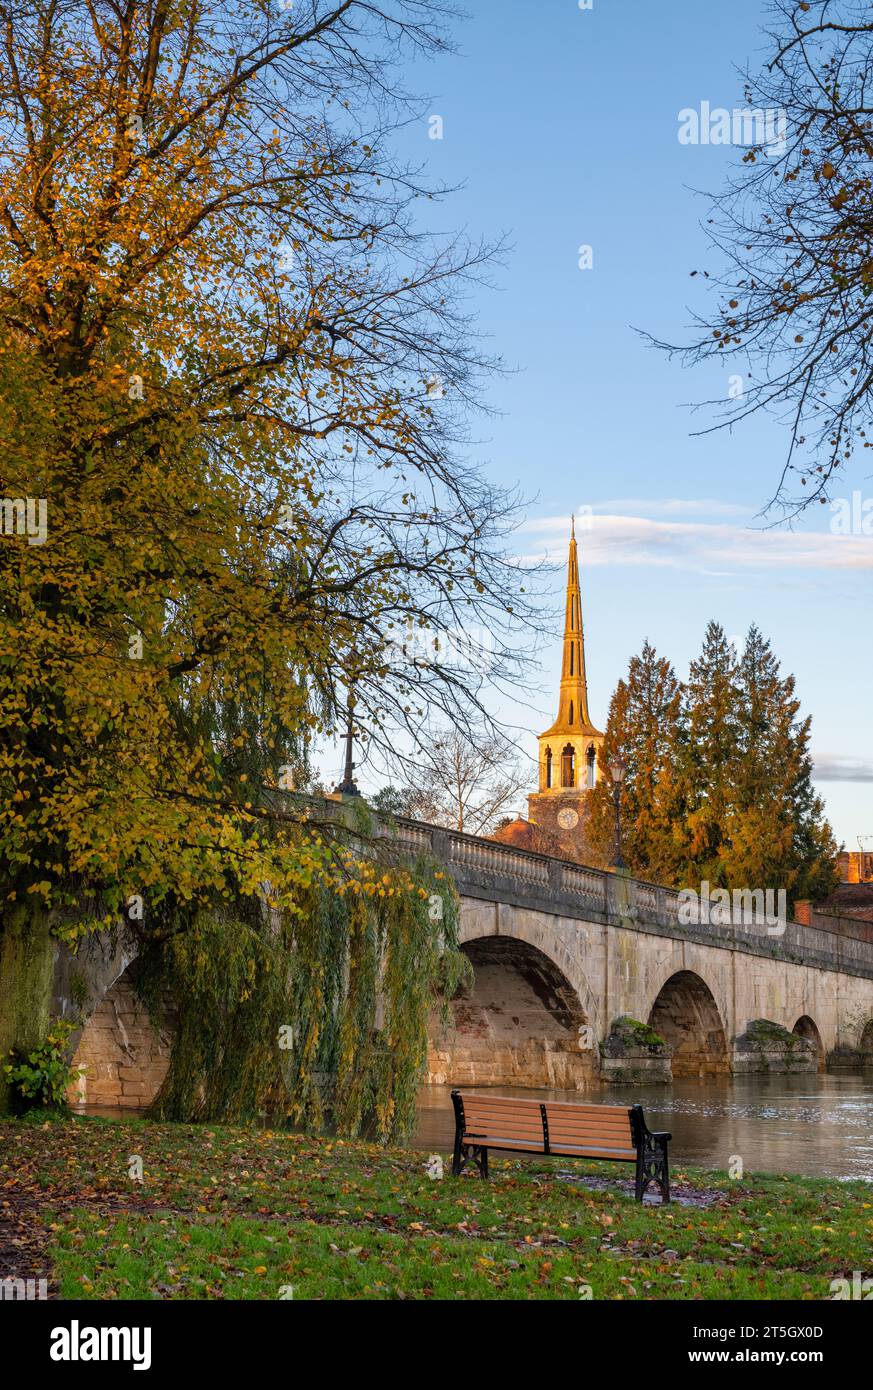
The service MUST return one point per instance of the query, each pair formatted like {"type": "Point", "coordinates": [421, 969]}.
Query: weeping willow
{"type": "Point", "coordinates": [317, 1015]}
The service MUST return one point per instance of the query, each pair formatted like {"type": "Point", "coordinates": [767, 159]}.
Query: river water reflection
{"type": "Point", "coordinates": [818, 1125]}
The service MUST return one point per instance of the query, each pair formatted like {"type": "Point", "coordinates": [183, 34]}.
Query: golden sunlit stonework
{"type": "Point", "coordinates": [569, 750]}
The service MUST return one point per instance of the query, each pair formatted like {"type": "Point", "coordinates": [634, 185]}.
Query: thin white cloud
{"type": "Point", "coordinates": [709, 547]}
{"type": "Point", "coordinates": [638, 506]}
{"type": "Point", "coordinates": [832, 767]}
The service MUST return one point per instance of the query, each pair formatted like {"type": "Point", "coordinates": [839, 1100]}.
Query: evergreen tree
{"type": "Point", "coordinates": [643, 727]}
{"type": "Point", "coordinates": [777, 835]}
{"type": "Point", "coordinates": [709, 750]}
{"type": "Point", "coordinates": [718, 781]}
{"type": "Point", "coordinates": [600, 814]}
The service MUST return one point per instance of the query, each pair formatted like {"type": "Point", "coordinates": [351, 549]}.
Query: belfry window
{"type": "Point", "coordinates": [591, 761]}
{"type": "Point", "coordinates": [568, 766]}
{"type": "Point", "coordinates": [548, 769]}
{"type": "Point", "coordinates": [572, 654]}
{"type": "Point", "coordinates": [571, 711]}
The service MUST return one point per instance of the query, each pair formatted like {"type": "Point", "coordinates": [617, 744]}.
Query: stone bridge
{"type": "Point", "coordinates": [559, 953]}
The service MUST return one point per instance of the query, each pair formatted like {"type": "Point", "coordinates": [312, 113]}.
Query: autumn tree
{"type": "Point", "coordinates": [221, 320]}
{"type": "Point", "coordinates": [792, 240]}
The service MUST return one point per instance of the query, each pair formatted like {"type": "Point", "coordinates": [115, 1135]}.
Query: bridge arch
{"type": "Point", "coordinates": [527, 1019]}
{"type": "Point", "coordinates": [564, 941]}
{"type": "Point", "coordinates": [806, 1027]}
{"type": "Point", "coordinates": [687, 1016]}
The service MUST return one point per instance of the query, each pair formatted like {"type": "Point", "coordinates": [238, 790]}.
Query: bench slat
{"type": "Point", "coordinates": [522, 1103]}
{"type": "Point", "coordinates": [622, 1122]}
{"type": "Point", "coordinates": [509, 1116]}
{"type": "Point", "coordinates": [508, 1141]}
{"type": "Point", "coordinates": [533, 1136]}
{"type": "Point", "coordinates": [475, 1109]}
{"type": "Point", "coordinates": [560, 1117]}
{"type": "Point", "coordinates": [575, 1109]}
{"type": "Point", "coordinates": [475, 1103]}
{"type": "Point", "coordinates": [562, 1126]}
{"type": "Point", "coordinates": [504, 1122]}
{"type": "Point", "coordinates": [482, 1125]}
{"type": "Point", "coordinates": [610, 1119]}
{"type": "Point", "coordinates": [495, 1109]}
{"type": "Point", "coordinates": [592, 1151]}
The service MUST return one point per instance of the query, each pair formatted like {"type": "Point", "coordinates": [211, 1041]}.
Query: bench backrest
{"type": "Point", "coordinates": [503, 1117]}
{"type": "Point", "coordinates": [601, 1127]}
{"type": "Point", "coordinates": [594, 1127]}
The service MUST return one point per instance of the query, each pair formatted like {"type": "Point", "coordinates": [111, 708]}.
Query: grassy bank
{"type": "Point", "coordinates": [240, 1213]}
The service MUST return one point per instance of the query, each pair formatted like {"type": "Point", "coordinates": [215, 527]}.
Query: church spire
{"type": "Point", "coordinates": [573, 716]}
{"type": "Point", "coordinates": [569, 752]}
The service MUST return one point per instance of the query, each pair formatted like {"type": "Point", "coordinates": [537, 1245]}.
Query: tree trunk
{"type": "Point", "coordinates": [27, 952]}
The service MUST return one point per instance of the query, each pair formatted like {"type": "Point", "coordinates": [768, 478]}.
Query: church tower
{"type": "Point", "coordinates": [569, 751]}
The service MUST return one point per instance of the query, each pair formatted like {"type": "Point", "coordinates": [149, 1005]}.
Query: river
{"type": "Point", "coordinates": [819, 1125]}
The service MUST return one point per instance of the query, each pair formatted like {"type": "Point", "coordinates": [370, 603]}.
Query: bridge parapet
{"type": "Point", "coordinates": [491, 871]}
{"type": "Point", "coordinates": [486, 869]}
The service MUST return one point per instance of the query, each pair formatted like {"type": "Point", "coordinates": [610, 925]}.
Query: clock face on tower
{"type": "Point", "coordinates": [568, 819]}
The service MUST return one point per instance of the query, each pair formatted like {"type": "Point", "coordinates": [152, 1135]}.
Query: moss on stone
{"type": "Point", "coordinates": [639, 1032]}
{"type": "Point", "coordinates": [630, 1035]}
{"type": "Point", "coordinates": [765, 1030]}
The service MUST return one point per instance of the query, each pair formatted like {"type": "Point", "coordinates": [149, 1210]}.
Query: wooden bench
{"type": "Point", "coordinates": [617, 1132]}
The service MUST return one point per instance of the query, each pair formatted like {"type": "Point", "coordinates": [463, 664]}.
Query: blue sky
{"type": "Point", "coordinates": [562, 124]}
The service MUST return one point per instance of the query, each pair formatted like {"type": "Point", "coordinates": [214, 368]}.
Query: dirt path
{"type": "Point", "coordinates": [24, 1241]}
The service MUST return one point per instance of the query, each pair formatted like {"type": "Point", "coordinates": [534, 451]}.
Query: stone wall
{"type": "Point", "coordinates": [125, 1058]}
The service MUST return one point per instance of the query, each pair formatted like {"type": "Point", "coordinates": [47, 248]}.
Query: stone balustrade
{"type": "Point", "coordinates": [487, 869]}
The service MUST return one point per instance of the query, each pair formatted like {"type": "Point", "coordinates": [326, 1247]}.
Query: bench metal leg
{"type": "Point", "coordinates": [458, 1159]}
{"type": "Point", "coordinates": [653, 1166]}
{"type": "Point", "coordinates": [665, 1177]}
{"type": "Point", "coordinates": [469, 1153]}
{"type": "Point", "coordinates": [457, 1163]}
